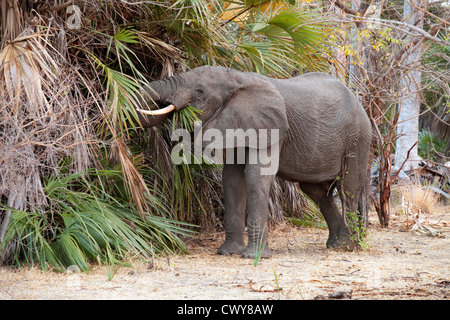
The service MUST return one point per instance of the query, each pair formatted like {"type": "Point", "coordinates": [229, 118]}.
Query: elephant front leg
{"type": "Point", "coordinates": [234, 189]}
{"type": "Point", "coordinates": [258, 193]}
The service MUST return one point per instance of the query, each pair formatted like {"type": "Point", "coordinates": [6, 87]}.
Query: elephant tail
{"type": "Point", "coordinates": [362, 207]}
{"type": "Point", "coordinates": [363, 200]}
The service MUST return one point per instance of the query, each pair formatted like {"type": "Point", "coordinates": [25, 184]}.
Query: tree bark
{"type": "Point", "coordinates": [410, 86]}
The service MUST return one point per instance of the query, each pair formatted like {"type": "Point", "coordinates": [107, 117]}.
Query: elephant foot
{"type": "Point", "coordinates": [231, 248]}
{"type": "Point", "coordinates": [341, 242]}
{"type": "Point", "coordinates": [252, 252]}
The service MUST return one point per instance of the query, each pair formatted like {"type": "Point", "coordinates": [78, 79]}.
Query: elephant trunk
{"type": "Point", "coordinates": [164, 92]}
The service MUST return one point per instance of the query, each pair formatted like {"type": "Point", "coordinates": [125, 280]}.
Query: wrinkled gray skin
{"type": "Point", "coordinates": [325, 137]}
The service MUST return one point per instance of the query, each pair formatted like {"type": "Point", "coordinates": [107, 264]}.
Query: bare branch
{"type": "Point", "coordinates": [446, 22]}
{"type": "Point", "coordinates": [60, 6]}
{"type": "Point", "coordinates": [344, 8]}
{"type": "Point", "coordinates": [403, 27]}
{"type": "Point", "coordinates": [401, 167]}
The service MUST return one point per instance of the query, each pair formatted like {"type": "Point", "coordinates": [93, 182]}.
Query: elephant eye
{"type": "Point", "coordinates": [199, 91]}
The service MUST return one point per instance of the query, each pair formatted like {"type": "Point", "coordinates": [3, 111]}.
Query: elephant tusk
{"type": "Point", "coordinates": [157, 112]}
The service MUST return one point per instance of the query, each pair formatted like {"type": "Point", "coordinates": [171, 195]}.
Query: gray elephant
{"type": "Point", "coordinates": [323, 143]}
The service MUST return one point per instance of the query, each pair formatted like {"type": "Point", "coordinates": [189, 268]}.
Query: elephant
{"type": "Point", "coordinates": [323, 144]}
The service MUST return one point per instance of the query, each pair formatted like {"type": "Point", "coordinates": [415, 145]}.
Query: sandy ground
{"type": "Point", "coordinates": [398, 264]}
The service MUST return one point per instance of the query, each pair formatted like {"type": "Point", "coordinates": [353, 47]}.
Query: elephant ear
{"type": "Point", "coordinates": [254, 116]}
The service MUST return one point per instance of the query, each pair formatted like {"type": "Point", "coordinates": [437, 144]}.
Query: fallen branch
{"type": "Point", "coordinates": [438, 191]}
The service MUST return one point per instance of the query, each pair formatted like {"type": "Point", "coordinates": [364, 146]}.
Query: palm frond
{"type": "Point", "coordinates": [278, 41]}
{"type": "Point", "coordinates": [11, 23]}
{"type": "Point", "coordinates": [25, 65]}
{"type": "Point", "coordinates": [92, 227]}
{"type": "Point", "coordinates": [134, 182]}
{"type": "Point", "coordinates": [123, 52]}
{"type": "Point", "coordinates": [122, 96]}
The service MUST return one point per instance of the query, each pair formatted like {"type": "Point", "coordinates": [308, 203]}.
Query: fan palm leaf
{"type": "Point", "coordinates": [25, 65]}
{"type": "Point", "coordinates": [276, 41]}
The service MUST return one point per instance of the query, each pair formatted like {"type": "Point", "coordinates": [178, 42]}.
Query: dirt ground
{"type": "Point", "coordinates": [399, 264]}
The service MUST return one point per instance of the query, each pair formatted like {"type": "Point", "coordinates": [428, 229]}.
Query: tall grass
{"type": "Point", "coordinates": [415, 198]}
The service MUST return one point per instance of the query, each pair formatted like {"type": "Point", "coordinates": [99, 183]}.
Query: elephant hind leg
{"type": "Point", "coordinates": [353, 189]}
{"type": "Point", "coordinates": [322, 195]}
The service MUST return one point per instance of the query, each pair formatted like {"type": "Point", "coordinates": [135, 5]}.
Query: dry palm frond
{"type": "Point", "coordinates": [286, 199]}
{"type": "Point", "coordinates": [11, 19]}
{"type": "Point", "coordinates": [166, 53]}
{"type": "Point", "coordinates": [26, 65]}
{"type": "Point", "coordinates": [41, 116]}
{"type": "Point", "coordinates": [134, 182]}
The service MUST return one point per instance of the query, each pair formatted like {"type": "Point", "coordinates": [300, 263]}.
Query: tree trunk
{"type": "Point", "coordinates": [409, 105]}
